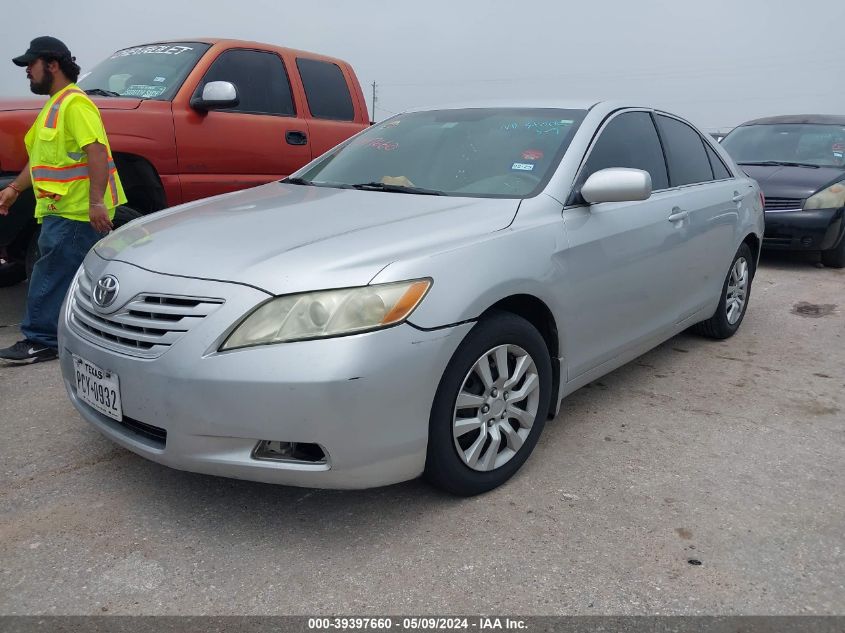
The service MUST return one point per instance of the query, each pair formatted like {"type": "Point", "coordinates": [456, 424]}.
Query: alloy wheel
{"type": "Point", "coordinates": [737, 290]}
{"type": "Point", "coordinates": [496, 407]}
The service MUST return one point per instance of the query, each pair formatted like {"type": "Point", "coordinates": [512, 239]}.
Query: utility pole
{"type": "Point", "coordinates": [373, 120]}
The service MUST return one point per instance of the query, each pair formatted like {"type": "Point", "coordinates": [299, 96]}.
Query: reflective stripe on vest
{"type": "Point", "coordinates": [67, 174]}
{"type": "Point", "coordinates": [53, 117]}
{"type": "Point", "coordinates": [43, 173]}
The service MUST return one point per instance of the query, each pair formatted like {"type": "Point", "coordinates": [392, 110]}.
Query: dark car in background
{"type": "Point", "coordinates": [799, 162]}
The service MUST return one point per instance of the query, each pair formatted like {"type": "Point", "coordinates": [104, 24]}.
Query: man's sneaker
{"type": "Point", "coordinates": [26, 351]}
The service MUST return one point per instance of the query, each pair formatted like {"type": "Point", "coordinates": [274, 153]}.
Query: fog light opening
{"type": "Point", "coordinates": [301, 452]}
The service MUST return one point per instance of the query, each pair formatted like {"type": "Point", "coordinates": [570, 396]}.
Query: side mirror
{"type": "Point", "coordinates": [216, 94]}
{"type": "Point", "coordinates": [617, 184]}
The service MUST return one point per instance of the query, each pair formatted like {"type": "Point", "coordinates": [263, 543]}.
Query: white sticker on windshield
{"type": "Point", "coordinates": [522, 167]}
{"type": "Point", "coordinates": [144, 92]}
{"type": "Point", "coordinates": [160, 49]}
{"type": "Point", "coordinates": [159, 79]}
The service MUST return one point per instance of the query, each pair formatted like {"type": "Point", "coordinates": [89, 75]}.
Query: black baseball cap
{"type": "Point", "coordinates": [44, 46]}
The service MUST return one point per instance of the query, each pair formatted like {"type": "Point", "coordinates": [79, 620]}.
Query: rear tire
{"type": "Point", "coordinates": [729, 315]}
{"type": "Point", "coordinates": [12, 273]}
{"type": "Point", "coordinates": [835, 257]}
{"type": "Point", "coordinates": [472, 450]}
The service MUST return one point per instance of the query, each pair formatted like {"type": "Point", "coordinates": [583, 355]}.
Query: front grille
{"type": "Point", "coordinates": [154, 434]}
{"type": "Point", "coordinates": [783, 204]}
{"type": "Point", "coordinates": [145, 326]}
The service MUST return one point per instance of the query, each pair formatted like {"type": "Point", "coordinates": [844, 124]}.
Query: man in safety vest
{"type": "Point", "coordinates": [76, 190]}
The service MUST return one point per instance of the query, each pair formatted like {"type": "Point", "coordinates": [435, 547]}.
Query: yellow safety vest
{"type": "Point", "coordinates": [59, 167]}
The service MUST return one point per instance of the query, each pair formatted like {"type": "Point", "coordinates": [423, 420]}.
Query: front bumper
{"type": "Point", "coordinates": [365, 399]}
{"type": "Point", "coordinates": [812, 230]}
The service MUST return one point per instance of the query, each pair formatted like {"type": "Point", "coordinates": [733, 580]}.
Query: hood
{"type": "Point", "coordinates": [792, 182]}
{"type": "Point", "coordinates": [36, 103]}
{"type": "Point", "coordinates": [290, 238]}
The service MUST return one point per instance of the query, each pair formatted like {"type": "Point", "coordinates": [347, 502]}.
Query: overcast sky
{"type": "Point", "coordinates": [716, 62]}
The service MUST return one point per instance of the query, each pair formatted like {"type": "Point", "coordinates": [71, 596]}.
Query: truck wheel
{"type": "Point", "coordinates": [124, 214]}
{"type": "Point", "coordinates": [835, 257]}
{"type": "Point", "coordinates": [12, 273]}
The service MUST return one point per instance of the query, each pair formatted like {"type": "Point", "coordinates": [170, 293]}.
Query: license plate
{"type": "Point", "coordinates": [97, 388]}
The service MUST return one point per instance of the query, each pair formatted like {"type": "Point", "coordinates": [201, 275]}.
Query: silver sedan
{"type": "Point", "coordinates": [418, 300]}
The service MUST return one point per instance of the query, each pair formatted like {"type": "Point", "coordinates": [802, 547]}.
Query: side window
{"type": "Point", "coordinates": [260, 79]}
{"type": "Point", "coordinates": [629, 140]}
{"type": "Point", "coordinates": [719, 169]}
{"type": "Point", "coordinates": [688, 162]}
{"type": "Point", "coordinates": [326, 90]}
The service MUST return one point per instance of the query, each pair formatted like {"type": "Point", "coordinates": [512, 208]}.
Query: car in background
{"type": "Point", "coordinates": [417, 300]}
{"type": "Point", "coordinates": [799, 162]}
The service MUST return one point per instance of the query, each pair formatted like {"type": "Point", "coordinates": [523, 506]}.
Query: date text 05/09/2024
{"type": "Point", "coordinates": [414, 623]}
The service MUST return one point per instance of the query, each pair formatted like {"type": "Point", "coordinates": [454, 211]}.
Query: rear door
{"type": "Point", "coordinates": [712, 197]}
{"type": "Point", "coordinates": [334, 112]}
{"type": "Point", "coordinates": [261, 139]}
{"type": "Point", "coordinates": [621, 285]}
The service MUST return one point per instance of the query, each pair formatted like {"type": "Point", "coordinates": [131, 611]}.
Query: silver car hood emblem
{"type": "Point", "coordinates": [105, 291]}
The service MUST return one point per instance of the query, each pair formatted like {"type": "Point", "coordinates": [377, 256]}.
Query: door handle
{"type": "Point", "coordinates": [295, 137]}
{"type": "Point", "coordinates": [678, 215]}
{"type": "Point", "coordinates": [737, 197]}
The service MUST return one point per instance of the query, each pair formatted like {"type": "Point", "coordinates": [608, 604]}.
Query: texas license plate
{"type": "Point", "coordinates": [97, 388]}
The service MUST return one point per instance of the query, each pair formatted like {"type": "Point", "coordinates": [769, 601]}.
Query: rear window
{"type": "Point", "coordinates": [720, 172]}
{"type": "Point", "coordinates": [685, 153]}
{"type": "Point", "coordinates": [154, 71]}
{"type": "Point", "coordinates": [326, 90]}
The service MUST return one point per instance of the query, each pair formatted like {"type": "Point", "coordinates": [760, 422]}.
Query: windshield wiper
{"type": "Point", "coordinates": [779, 163]}
{"type": "Point", "coordinates": [297, 181]}
{"type": "Point", "coordinates": [102, 93]}
{"type": "Point", "coordinates": [380, 186]}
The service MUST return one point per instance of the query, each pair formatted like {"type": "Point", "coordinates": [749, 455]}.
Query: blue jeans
{"type": "Point", "coordinates": [63, 245]}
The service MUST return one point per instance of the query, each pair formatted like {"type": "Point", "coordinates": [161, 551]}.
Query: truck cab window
{"type": "Point", "coordinates": [260, 79]}
{"type": "Point", "coordinates": [326, 90]}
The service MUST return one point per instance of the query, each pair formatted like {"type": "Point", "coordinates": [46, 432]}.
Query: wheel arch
{"type": "Point", "coordinates": [141, 182]}
{"type": "Point", "coordinates": [538, 314]}
{"type": "Point", "coordinates": [753, 243]}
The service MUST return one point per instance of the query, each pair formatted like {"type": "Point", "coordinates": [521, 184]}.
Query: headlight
{"type": "Point", "coordinates": [328, 313]}
{"type": "Point", "coordinates": [831, 198]}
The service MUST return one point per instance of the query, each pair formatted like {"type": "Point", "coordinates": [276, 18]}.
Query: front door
{"type": "Point", "coordinates": [259, 140]}
{"type": "Point", "coordinates": [628, 252]}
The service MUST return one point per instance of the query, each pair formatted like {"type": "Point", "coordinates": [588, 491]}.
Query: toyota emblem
{"type": "Point", "coordinates": [105, 292]}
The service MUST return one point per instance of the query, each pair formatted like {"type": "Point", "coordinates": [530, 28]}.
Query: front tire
{"type": "Point", "coordinates": [835, 257]}
{"type": "Point", "coordinates": [490, 407]}
{"type": "Point", "coordinates": [736, 291]}
{"type": "Point", "coordinates": [124, 215]}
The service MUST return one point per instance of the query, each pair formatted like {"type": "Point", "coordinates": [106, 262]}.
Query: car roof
{"type": "Point", "coordinates": [819, 119]}
{"type": "Point", "coordinates": [563, 104]}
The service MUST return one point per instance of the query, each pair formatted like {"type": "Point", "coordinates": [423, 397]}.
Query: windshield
{"type": "Point", "coordinates": [802, 143]}
{"type": "Point", "coordinates": [507, 153]}
{"type": "Point", "coordinates": [145, 72]}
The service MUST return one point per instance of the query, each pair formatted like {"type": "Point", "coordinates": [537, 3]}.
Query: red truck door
{"type": "Point", "coordinates": [261, 139]}
{"type": "Point", "coordinates": [335, 112]}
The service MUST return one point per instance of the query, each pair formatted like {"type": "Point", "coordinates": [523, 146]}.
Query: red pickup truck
{"type": "Point", "coordinates": [193, 118]}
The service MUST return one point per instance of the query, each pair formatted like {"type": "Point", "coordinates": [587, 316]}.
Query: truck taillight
{"type": "Point", "coordinates": [762, 200]}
